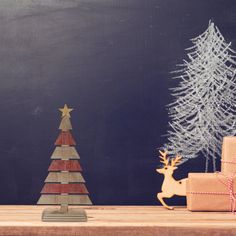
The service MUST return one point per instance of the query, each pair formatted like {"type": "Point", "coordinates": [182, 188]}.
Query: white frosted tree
{"type": "Point", "coordinates": [203, 110]}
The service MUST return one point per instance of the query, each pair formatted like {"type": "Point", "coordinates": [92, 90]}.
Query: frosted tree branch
{"type": "Point", "coordinates": [204, 107]}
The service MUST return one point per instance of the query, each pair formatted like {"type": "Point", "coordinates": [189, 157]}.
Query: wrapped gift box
{"type": "Point", "coordinates": [210, 192]}
{"type": "Point", "coordinates": [228, 159]}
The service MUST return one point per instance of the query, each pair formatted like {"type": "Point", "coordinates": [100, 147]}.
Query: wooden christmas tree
{"type": "Point", "coordinates": [64, 184]}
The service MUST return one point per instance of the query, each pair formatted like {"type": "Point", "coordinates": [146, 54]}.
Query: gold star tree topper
{"type": "Point", "coordinates": [65, 111]}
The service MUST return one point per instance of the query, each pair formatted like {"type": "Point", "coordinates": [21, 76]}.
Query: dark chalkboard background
{"type": "Point", "coordinates": [111, 61]}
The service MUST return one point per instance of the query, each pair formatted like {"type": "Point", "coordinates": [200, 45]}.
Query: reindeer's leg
{"type": "Point", "coordinates": [160, 197]}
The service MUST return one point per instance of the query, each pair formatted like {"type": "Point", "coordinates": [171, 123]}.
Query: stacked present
{"type": "Point", "coordinates": [215, 191]}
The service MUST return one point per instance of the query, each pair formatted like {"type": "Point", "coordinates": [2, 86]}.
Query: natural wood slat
{"type": "Point", "coordinates": [51, 199]}
{"type": "Point", "coordinates": [65, 124]}
{"type": "Point", "coordinates": [65, 188]}
{"type": "Point", "coordinates": [70, 177]}
{"type": "Point", "coordinates": [65, 152]}
{"type": "Point", "coordinates": [62, 165]}
{"type": "Point", "coordinates": [118, 221]}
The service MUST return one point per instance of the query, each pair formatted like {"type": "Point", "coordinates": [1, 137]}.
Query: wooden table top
{"type": "Point", "coordinates": [118, 220]}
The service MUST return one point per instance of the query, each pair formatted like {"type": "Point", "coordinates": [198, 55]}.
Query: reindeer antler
{"type": "Point", "coordinates": [164, 160]}
{"type": "Point", "coordinates": [176, 160]}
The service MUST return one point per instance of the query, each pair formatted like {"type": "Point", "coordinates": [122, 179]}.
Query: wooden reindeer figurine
{"type": "Point", "coordinates": [170, 186]}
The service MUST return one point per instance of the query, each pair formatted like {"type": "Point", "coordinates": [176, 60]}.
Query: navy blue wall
{"type": "Point", "coordinates": [111, 61]}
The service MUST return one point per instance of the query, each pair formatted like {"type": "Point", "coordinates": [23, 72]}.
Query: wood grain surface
{"type": "Point", "coordinates": [65, 124]}
{"type": "Point", "coordinates": [65, 152]}
{"type": "Point", "coordinates": [118, 220]}
{"type": "Point", "coordinates": [64, 188]}
{"type": "Point", "coordinates": [62, 165]}
{"type": "Point", "coordinates": [58, 177]}
{"type": "Point", "coordinates": [51, 199]}
{"type": "Point", "coordinates": [65, 138]}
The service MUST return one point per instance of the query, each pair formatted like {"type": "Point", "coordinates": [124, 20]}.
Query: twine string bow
{"type": "Point", "coordinates": [230, 188]}
{"type": "Point", "coordinates": [231, 193]}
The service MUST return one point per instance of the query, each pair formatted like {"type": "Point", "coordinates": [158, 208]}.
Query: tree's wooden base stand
{"type": "Point", "coordinates": [56, 215]}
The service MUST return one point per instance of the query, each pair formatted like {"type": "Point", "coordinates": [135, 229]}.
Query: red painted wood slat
{"type": "Point", "coordinates": [64, 188]}
{"type": "Point", "coordinates": [65, 165]}
{"type": "Point", "coordinates": [65, 138]}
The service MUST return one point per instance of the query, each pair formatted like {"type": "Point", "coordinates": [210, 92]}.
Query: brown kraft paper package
{"type": "Point", "coordinates": [228, 159]}
{"type": "Point", "coordinates": [210, 192]}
